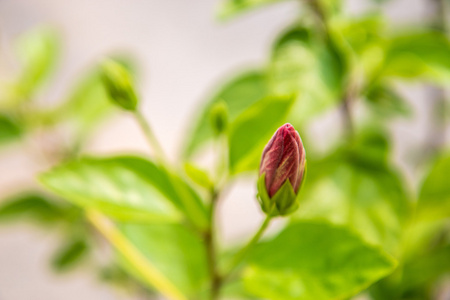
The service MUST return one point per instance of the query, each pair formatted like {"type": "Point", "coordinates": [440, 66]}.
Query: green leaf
{"type": "Point", "coordinates": [419, 55]}
{"type": "Point", "coordinates": [356, 187]}
{"type": "Point", "coordinates": [34, 206]}
{"type": "Point", "coordinates": [231, 8]}
{"type": "Point", "coordinates": [309, 67]}
{"type": "Point", "coordinates": [198, 176]}
{"type": "Point", "coordinates": [38, 51]}
{"type": "Point", "coordinates": [313, 260]}
{"type": "Point", "coordinates": [126, 188]}
{"type": "Point", "coordinates": [387, 102]}
{"type": "Point", "coordinates": [72, 253]}
{"type": "Point", "coordinates": [238, 94]}
{"type": "Point", "coordinates": [252, 130]}
{"type": "Point", "coordinates": [434, 196]}
{"type": "Point", "coordinates": [176, 252]}
{"type": "Point", "coordinates": [219, 117]}
{"type": "Point", "coordinates": [10, 129]}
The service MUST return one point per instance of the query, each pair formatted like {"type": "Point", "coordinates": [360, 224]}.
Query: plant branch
{"type": "Point", "coordinates": [148, 272]}
{"type": "Point", "coordinates": [239, 257]}
{"type": "Point", "coordinates": [150, 136]}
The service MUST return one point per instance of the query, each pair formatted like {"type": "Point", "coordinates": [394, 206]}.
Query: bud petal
{"type": "Point", "coordinates": [282, 168]}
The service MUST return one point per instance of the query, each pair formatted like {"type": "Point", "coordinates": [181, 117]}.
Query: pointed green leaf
{"type": "Point", "coordinates": [198, 176]}
{"type": "Point", "coordinates": [312, 260]}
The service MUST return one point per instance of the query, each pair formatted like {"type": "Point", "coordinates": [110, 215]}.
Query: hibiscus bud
{"type": "Point", "coordinates": [281, 171]}
{"type": "Point", "coordinates": [119, 84]}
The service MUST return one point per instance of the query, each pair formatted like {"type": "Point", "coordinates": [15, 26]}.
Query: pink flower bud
{"type": "Point", "coordinates": [283, 159]}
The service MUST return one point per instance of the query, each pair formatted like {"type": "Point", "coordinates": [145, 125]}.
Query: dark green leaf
{"type": "Point", "coordinates": [252, 130]}
{"type": "Point", "coordinates": [311, 260]}
{"type": "Point", "coordinates": [34, 206]}
{"type": "Point", "coordinates": [175, 251]}
{"type": "Point", "coordinates": [70, 254]}
{"type": "Point", "coordinates": [10, 129]}
{"type": "Point", "coordinates": [387, 102]}
{"type": "Point", "coordinates": [238, 94]}
{"type": "Point", "coordinates": [127, 188]}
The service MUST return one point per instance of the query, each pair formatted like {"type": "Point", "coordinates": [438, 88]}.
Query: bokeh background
{"type": "Point", "coordinates": [183, 52]}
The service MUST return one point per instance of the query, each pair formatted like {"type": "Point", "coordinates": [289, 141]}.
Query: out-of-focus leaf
{"type": "Point", "coordinates": [34, 206]}
{"type": "Point", "coordinates": [238, 94]}
{"type": "Point", "coordinates": [419, 54]}
{"type": "Point", "coordinates": [356, 187]}
{"type": "Point", "coordinates": [434, 197]}
{"type": "Point", "coordinates": [219, 117]}
{"type": "Point", "coordinates": [10, 129]}
{"type": "Point", "coordinates": [126, 188]}
{"type": "Point", "coordinates": [387, 102]}
{"type": "Point", "coordinates": [314, 260]}
{"type": "Point", "coordinates": [253, 128]}
{"type": "Point", "coordinates": [176, 252]}
{"type": "Point", "coordinates": [72, 253]}
{"type": "Point", "coordinates": [198, 176]}
{"type": "Point", "coordinates": [231, 8]}
{"type": "Point", "coordinates": [38, 51]}
{"type": "Point", "coordinates": [304, 65]}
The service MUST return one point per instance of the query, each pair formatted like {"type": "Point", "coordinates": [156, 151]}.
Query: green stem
{"type": "Point", "coordinates": [148, 272]}
{"type": "Point", "coordinates": [239, 257]}
{"type": "Point", "coordinates": [209, 237]}
{"type": "Point", "coordinates": [150, 136]}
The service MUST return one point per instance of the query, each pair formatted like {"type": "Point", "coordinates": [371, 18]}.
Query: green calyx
{"type": "Point", "coordinates": [119, 84]}
{"type": "Point", "coordinates": [284, 202]}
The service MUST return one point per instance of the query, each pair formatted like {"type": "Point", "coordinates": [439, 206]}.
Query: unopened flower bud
{"type": "Point", "coordinates": [119, 84]}
{"type": "Point", "coordinates": [281, 171]}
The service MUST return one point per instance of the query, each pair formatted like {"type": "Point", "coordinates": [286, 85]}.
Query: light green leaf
{"type": "Point", "coordinates": [434, 196]}
{"type": "Point", "coordinates": [250, 132]}
{"type": "Point", "coordinates": [304, 65]}
{"type": "Point", "coordinates": [175, 251]}
{"type": "Point", "coordinates": [198, 176]}
{"type": "Point", "coordinates": [126, 188]}
{"type": "Point", "coordinates": [231, 8]}
{"type": "Point", "coordinates": [238, 94]}
{"type": "Point", "coordinates": [38, 51]}
{"type": "Point", "coordinates": [419, 55]}
{"type": "Point", "coordinates": [313, 260]}
{"type": "Point", "coordinates": [10, 129]}
{"type": "Point", "coordinates": [356, 187]}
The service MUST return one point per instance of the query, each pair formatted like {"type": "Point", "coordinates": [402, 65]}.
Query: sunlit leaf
{"type": "Point", "coordinates": [252, 130]}
{"type": "Point", "coordinates": [314, 260]}
{"type": "Point", "coordinates": [434, 197]}
{"type": "Point", "coordinates": [238, 94]}
{"type": "Point", "coordinates": [231, 8]}
{"type": "Point", "coordinates": [127, 188]}
{"type": "Point", "coordinates": [304, 65]}
{"type": "Point", "coordinates": [198, 176]}
{"type": "Point", "coordinates": [176, 252]}
{"type": "Point", "coordinates": [37, 51]}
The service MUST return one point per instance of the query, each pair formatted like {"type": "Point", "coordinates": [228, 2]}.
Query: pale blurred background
{"type": "Point", "coordinates": [182, 53]}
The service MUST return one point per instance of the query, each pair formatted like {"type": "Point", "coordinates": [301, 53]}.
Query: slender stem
{"type": "Point", "coordinates": [150, 136]}
{"type": "Point", "coordinates": [148, 272]}
{"type": "Point", "coordinates": [239, 257]}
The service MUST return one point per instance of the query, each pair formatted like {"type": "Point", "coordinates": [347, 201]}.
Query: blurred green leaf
{"type": "Point", "coordinates": [434, 196]}
{"type": "Point", "coordinates": [419, 55]}
{"type": "Point", "coordinates": [357, 187]}
{"type": "Point", "coordinates": [126, 188]}
{"type": "Point", "coordinates": [72, 253]}
{"type": "Point", "coordinates": [34, 206]}
{"type": "Point", "coordinates": [238, 94]}
{"type": "Point", "coordinates": [198, 176]}
{"type": "Point", "coordinates": [38, 51]}
{"type": "Point", "coordinates": [313, 260]}
{"type": "Point", "coordinates": [176, 252]}
{"type": "Point", "coordinates": [10, 129]}
{"type": "Point", "coordinates": [252, 130]}
{"type": "Point", "coordinates": [231, 8]}
{"type": "Point", "coordinates": [305, 65]}
{"type": "Point", "coordinates": [219, 117]}
{"type": "Point", "coordinates": [387, 102]}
